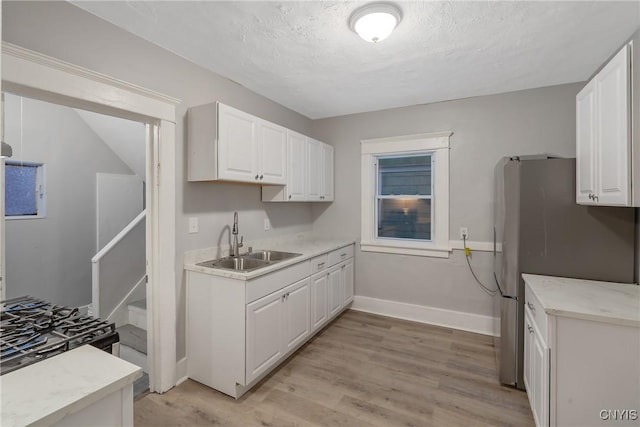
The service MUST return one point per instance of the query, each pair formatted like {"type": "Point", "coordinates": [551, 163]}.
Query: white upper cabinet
{"type": "Point", "coordinates": [603, 136]}
{"type": "Point", "coordinates": [315, 172]}
{"type": "Point", "coordinates": [237, 145]}
{"type": "Point", "coordinates": [309, 172]}
{"type": "Point", "coordinates": [585, 144]}
{"type": "Point", "coordinates": [272, 153]}
{"type": "Point", "coordinates": [227, 144]}
{"type": "Point", "coordinates": [327, 173]}
{"type": "Point", "coordinates": [296, 189]}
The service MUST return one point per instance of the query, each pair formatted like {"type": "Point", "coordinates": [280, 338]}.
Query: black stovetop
{"type": "Point", "coordinates": [32, 330]}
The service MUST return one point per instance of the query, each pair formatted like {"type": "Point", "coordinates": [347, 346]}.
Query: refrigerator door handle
{"type": "Point", "coordinates": [500, 289]}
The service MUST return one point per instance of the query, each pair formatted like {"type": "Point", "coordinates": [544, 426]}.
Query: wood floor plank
{"type": "Point", "coordinates": [361, 370]}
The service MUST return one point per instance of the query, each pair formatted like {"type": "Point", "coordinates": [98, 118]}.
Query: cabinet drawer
{"type": "Point", "coordinates": [318, 263]}
{"type": "Point", "coordinates": [340, 255]}
{"type": "Point", "coordinates": [264, 285]}
{"type": "Point", "coordinates": [533, 307]}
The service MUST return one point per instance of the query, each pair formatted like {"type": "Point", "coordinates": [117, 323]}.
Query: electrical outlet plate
{"type": "Point", "coordinates": [267, 224]}
{"type": "Point", "coordinates": [464, 231]}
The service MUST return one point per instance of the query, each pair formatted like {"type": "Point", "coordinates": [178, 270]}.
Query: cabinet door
{"type": "Point", "coordinates": [347, 280]}
{"type": "Point", "coordinates": [314, 169]}
{"type": "Point", "coordinates": [529, 381]}
{"type": "Point", "coordinates": [335, 289]}
{"type": "Point", "coordinates": [586, 144]}
{"type": "Point", "coordinates": [296, 166]}
{"type": "Point", "coordinates": [319, 294]}
{"type": "Point", "coordinates": [612, 118]}
{"type": "Point", "coordinates": [540, 372]}
{"type": "Point", "coordinates": [264, 334]}
{"type": "Point", "coordinates": [272, 153]}
{"type": "Point", "coordinates": [297, 313]}
{"type": "Point", "coordinates": [237, 145]}
{"type": "Point", "coordinates": [327, 163]}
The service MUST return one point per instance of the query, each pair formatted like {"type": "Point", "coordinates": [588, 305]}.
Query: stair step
{"type": "Point", "coordinates": [134, 337]}
{"type": "Point", "coordinates": [142, 303]}
{"type": "Point", "coordinates": [138, 313]}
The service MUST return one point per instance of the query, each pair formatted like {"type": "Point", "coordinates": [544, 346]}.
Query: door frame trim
{"type": "Point", "coordinates": [34, 75]}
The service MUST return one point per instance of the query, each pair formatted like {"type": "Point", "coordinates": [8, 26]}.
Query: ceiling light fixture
{"type": "Point", "coordinates": [375, 22]}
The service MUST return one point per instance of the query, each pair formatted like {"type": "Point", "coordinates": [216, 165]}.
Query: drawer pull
{"type": "Point", "coordinates": [532, 308]}
{"type": "Point", "coordinates": [343, 255]}
{"type": "Point", "coordinates": [321, 265]}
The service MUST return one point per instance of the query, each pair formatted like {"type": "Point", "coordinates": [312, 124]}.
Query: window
{"type": "Point", "coordinates": [24, 190]}
{"type": "Point", "coordinates": [405, 195]}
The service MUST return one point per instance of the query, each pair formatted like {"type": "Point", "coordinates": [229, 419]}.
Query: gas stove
{"type": "Point", "coordinates": [32, 330]}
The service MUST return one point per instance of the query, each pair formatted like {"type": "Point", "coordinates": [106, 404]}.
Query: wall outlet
{"type": "Point", "coordinates": [267, 224]}
{"type": "Point", "coordinates": [193, 225]}
{"type": "Point", "coordinates": [464, 233]}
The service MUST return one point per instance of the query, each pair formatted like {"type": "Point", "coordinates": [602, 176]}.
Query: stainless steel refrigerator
{"type": "Point", "coordinates": [543, 231]}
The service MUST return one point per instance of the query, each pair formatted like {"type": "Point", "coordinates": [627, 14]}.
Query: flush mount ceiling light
{"type": "Point", "coordinates": [374, 22]}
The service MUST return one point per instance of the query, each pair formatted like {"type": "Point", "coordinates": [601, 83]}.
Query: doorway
{"type": "Point", "coordinates": [29, 74]}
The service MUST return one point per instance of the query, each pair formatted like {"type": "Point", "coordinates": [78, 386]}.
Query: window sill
{"type": "Point", "coordinates": [20, 217]}
{"type": "Point", "coordinates": [434, 252]}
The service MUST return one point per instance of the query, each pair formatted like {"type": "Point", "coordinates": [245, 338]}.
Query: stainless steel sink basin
{"type": "Point", "coordinates": [249, 262]}
{"type": "Point", "coordinates": [271, 256]}
{"type": "Point", "coordinates": [233, 263]}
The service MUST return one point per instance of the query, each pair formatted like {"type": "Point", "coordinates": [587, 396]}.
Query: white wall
{"type": "Point", "coordinates": [63, 31]}
{"type": "Point", "coordinates": [50, 258]}
{"type": "Point", "coordinates": [484, 130]}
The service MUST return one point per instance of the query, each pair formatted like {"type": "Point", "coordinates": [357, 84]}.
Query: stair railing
{"type": "Point", "coordinates": [96, 260]}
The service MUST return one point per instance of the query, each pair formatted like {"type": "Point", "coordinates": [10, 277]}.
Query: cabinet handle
{"type": "Point", "coordinates": [321, 265]}
{"type": "Point", "coordinates": [595, 198]}
{"type": "Point", "coordinates": [590, 196]}
{"type": "Point", "coordinates": [261, 176]}
{"type": "Point", "coordinates": [289, 195]}
{"type": "Point", "coordinates": [532, 308]}
{"type": "Point", "coordinates": [256, 177]}
{"type": "Point", "coordinates": [530, 328]}
{"type": "Point", "coordinates": [283, 297]}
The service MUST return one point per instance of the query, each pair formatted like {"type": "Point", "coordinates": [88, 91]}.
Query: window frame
{"type": "Point", "coordinates": [436, 144]}
{"type": "Point", "coordinates": [40, 190]}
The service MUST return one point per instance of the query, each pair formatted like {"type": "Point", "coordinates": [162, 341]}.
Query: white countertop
{"type": "Point", "coordinates": [617, 303]}
{"type": "Point", "coordinates": [45, 392]}
{"type": "Point", "coordinates": [308, 248]}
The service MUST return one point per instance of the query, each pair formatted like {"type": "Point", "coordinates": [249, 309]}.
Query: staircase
{"type": "Point", "coordinates": [133, 342]}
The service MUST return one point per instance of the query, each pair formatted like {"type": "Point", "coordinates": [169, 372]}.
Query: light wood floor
{"type": "Point", "coordinates": [362, 370]}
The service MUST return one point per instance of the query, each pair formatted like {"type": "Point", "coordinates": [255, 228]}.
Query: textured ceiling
{"type": "Point", "coordinates": [304, 56]}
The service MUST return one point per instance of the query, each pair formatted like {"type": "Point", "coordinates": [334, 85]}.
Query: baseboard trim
{"type": "Point", "coordinates": [181, 371]}
{"type": "Point", "coordinates": [477, 323]}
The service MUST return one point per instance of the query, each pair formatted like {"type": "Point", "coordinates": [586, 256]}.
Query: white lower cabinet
{"type": "Point", "coordinates": [319, 292]}
{"type": "Point", "coordinates": [264, 334]}
{"type": "Point", "coordinates": [334, 279]}
{"type": "Point", "coordinates": [580, 372]}
{"type": "Point", "coordinates": [239, 330]}
{"type": "Point", "coordinates": [536, 371]}
{"type": "Point", "coordinates": [276, 324]}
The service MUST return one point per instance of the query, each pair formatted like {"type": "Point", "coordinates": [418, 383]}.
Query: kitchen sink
{"type": "Point", "coordinates": [250, 261]}
{"type": "Point", "coordinates": [270, 256]}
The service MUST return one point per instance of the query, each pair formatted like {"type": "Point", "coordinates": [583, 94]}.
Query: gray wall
{"type": "Point", "coordinates": [484, 130]}
{"type": "Point", "coordinates": [50, 258]}
{"type": "Point", "coordinates": [63, 31]}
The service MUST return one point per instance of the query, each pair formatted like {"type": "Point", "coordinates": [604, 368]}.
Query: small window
{"type": "Point", "coordinates": [24, 190]}
{"type": "Point", "coordinates": [405, 195]}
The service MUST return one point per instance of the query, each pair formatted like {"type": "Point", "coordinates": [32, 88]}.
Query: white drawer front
{"type": "Point", "coordinates": [535, 310]}
{"type": "Point", "coordinates": [264, 285]}
{"type": "Point", "coordinates": [340, 255]}
{"type": "Point", "coordinates": [319, 263]}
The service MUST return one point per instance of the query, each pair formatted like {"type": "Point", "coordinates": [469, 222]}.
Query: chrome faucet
{"type": "Point", "coordinates": [235, 248]}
